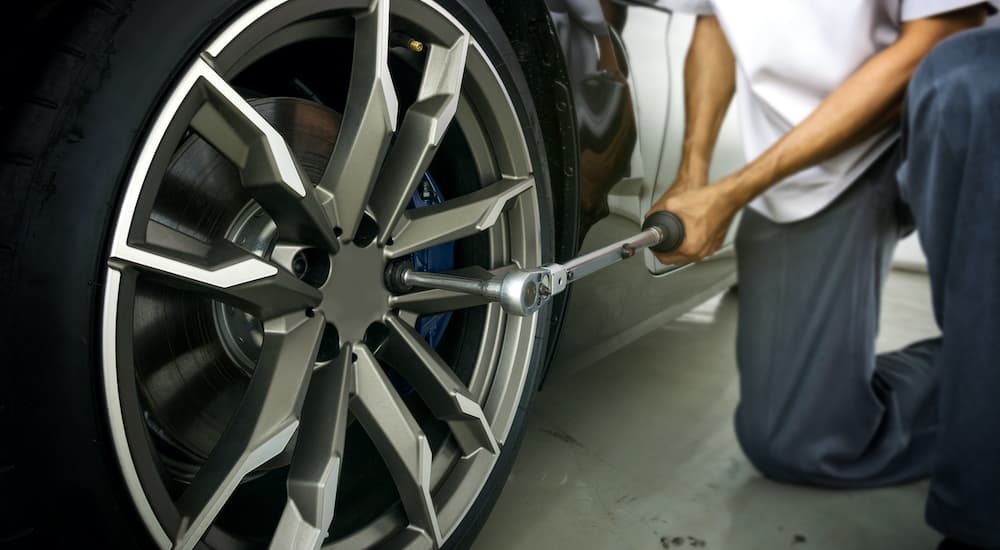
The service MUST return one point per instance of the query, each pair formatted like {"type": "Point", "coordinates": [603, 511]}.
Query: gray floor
{"type": "Point", "coordinates": [637, 451]}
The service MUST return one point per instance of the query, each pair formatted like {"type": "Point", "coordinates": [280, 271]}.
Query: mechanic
{"type": "Point", "coordinates": [820, 87]}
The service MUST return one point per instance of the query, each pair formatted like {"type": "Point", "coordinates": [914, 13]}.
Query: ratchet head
{"type": "Point", "coordinates": [525, 291]}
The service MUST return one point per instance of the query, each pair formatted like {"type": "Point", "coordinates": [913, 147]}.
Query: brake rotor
{"type": "Point", "coordinates": [216, 381]}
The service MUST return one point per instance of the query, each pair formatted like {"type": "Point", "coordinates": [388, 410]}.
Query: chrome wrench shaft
{"type": "Point", "coordinates": [525, 291]}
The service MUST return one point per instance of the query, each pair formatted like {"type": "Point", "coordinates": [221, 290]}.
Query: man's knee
{"type": "Point", "coordinates": [962, 66]}
{"type": "Point", "coordinates": [760, 447]}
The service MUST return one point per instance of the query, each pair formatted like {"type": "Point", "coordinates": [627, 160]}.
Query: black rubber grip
{"type": "Point", "coordinates": [672, 228]}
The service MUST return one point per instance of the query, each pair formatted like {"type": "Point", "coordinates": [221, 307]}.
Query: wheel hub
{"type": "Point", "coordinates": [354, 295]}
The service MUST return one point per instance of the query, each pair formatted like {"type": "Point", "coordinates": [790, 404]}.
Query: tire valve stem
{"type": "Point", "coordinates": [397, 39]}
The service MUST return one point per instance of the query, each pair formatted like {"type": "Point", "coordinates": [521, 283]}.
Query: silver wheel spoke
{"type": "Point", "coordinates": [445, 395]}
{"type": "Point", "coordinates": [262, 426]}
{"type": "Point", "coordinates": [369, 120]}
{"type": "Point", "coordinates": [399, 440]}
{"type": "Point", "coordinates": [456, 218]}
{"type": "Point", "coordinates": [221, 270]}
{"type": "Point", "coordinates": [319, 453]}
{"type": "Point", "coordinates": [269, 171]}
{"type": "Point", "coordinates": [420, 134]}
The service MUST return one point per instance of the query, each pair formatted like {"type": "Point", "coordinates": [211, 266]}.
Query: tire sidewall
{"type": "Point", "coordinates": [55, 310]}
{"type": "Point", "coordinates": [59, 271]}
{"type": "Point", "coordinates": [476, 16]}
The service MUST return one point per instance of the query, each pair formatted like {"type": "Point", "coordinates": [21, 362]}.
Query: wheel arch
{"type": "Point", "coordinates": [533, 37]}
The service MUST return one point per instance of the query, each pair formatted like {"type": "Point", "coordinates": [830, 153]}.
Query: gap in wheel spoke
{"type": "Point", "coordinates": [405, 66]}
{"type": "Point", "coordinates": [329, 346]}
{"type": "Point", "coordinates": [201, 192]}
{"type": "Point", "coordinates": [293, 72]}
{"type": "Point", "coordinates": [365, 490]}
{"type": "Point", "coordinates": [309, 149]}
{"type": "Point", "coordinates": [367, 231]}
{"type": "Point", "coordinates": [179, 361]}
{"type": "Point", "coordinates": [253, 510]}
{"type": "Point", "coordinates": [460, 344]}
{"type": "Point", "coordinates": [375, 337]}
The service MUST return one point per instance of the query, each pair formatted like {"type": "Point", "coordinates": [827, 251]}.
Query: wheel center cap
{"type": "Point", "coordinates": [354, 295]}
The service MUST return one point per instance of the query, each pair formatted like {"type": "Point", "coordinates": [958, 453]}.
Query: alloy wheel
{"type": "Point", "coordinates": [252, 352]}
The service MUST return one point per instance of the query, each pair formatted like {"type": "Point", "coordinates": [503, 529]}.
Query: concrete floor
{"type": "Point", "coordinates": [637, 451]}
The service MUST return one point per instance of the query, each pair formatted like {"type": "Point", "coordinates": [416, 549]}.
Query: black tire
{"type": "Point", "coordinates": [66, 154]}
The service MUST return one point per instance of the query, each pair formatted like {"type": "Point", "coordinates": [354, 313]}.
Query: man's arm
{"type": "Point", "coordinates": [865, 103]}
{"type": "Point", "coordinates": [709, 84]}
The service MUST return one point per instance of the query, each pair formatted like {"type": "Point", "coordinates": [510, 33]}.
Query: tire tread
{"type": "Point", "coordinates": [36, 125]}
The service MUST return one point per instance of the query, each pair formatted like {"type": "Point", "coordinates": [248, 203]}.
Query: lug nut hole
{"type": "Point", "coordinates": [300, 264]}
{"type": "Point", "coordinates": [312, 266]}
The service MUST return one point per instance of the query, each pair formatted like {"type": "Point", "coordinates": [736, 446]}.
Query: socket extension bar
{"type": "Point", "coordinates": [524, 291]}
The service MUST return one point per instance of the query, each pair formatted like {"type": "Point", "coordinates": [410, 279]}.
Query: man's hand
{"type": "Point", "coordinates": [706, 210]}
{"type": "Point", "coordinates": [709, 84]}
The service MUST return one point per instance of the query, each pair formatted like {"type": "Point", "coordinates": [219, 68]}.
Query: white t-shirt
{"type": "Point", "coordinates": [790, 54]}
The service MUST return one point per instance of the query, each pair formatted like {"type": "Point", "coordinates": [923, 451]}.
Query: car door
{"type": "Point", "coordinates": [625, 60]}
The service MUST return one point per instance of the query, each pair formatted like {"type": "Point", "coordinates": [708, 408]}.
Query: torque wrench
{"type": "Point", "coordinates": [524, 291]}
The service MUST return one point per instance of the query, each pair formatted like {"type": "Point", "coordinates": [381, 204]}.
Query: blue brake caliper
{"type": "Point", "coordinates": [437, 259]}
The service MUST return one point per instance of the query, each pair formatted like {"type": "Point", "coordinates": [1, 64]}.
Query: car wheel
{"type": "Point", "coordinates": [204, 351]}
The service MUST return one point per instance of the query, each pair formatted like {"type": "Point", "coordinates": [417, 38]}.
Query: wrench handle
{"type": "Point", "coordinates": [670, 226]}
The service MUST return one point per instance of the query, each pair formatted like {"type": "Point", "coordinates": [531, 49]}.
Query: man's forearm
{"type": "Point", "coordinates": [864, 104]}
{"type": "Point", "coordinates": [709, 83]}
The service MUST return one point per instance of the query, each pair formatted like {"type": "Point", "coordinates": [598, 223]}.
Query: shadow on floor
{"type": "Point", "coordinates": [637, 451]}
